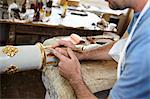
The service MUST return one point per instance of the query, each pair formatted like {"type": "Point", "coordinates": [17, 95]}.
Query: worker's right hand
{"type": "Point", "coordinates": [69, 67]}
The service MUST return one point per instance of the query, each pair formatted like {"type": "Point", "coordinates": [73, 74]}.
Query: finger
{"type": "Point", "coordinates": [60, 64]}
{"type": "Point", "coordinates": [71, 53]}
{"type": "Point", "coordinates": [55, 45]}
{"type": "Point", "coordinates": [62, 51]}
{"type": "Point", "coordinates": [64, 43]}
{"type": "Point", "coordinates": [60, 71]}
{"type": "Point", "coordinates": [62, 74]}
{"type": "Point", "coordinates": [59, 55]}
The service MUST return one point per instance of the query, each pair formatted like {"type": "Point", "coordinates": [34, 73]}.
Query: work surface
{"type": "Point", "coordinates": [29, 85]}
{"type": "Point", "coordinates": [30, 33]}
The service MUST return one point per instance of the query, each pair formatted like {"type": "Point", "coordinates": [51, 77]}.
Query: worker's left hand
{"type": "Point", "coordinates": [69, 67]}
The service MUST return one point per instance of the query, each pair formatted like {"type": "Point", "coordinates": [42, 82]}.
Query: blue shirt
{"type": "Point", "coordinates": [134, 82]}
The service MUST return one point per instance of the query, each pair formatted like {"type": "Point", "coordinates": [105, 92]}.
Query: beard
{"type": "Point", "coordinates": [116, 7]}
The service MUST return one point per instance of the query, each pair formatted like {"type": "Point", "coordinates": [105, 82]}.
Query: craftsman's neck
{"type": "Point", "coordinates": [138, 5]}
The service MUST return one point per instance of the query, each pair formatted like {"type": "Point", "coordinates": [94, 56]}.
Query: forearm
{"type": "Point", "coordinates": [97, 54]}
{"type": "Point", "coordinates": [81, 90]}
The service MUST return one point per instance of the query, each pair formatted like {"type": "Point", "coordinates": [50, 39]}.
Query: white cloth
{"type": "Point", "coordinates": [116, 50]}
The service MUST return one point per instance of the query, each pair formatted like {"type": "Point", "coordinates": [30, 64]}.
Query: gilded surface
{"type": "Point", "coordinates": [10, 51]}
{"type": "Point", "coordinates": [43, 55]}
{"type": "Point", "coordinates": [11, 70]}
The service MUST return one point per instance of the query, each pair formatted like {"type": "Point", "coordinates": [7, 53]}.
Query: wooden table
{"type": "Point", "coordinates": [30, 33]}
{"type": "Point", "coordinates": [22, 85]}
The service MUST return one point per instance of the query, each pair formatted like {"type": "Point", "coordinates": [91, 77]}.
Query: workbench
{"type": "Point", "coordinates": [29, 33]}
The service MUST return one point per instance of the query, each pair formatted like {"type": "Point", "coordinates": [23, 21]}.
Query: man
{"type": "Point", "coordinates": [134, 73]}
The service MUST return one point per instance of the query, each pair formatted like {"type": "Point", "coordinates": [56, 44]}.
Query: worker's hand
{"type": "Point", "coordinates": [63, 50]}
{"type": "Point", "coordinates": [64, 43]}
{"type": "Point", "coordinates": [69, 67]}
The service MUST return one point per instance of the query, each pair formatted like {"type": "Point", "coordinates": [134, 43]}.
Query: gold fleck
{"type": "Point", "coordinates": [10, 51]}
{"type": "Point", "coordinates": [11, 70]}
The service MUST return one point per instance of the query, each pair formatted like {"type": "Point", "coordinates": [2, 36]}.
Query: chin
{"type": "Point", "coordinates": [116, 8]}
